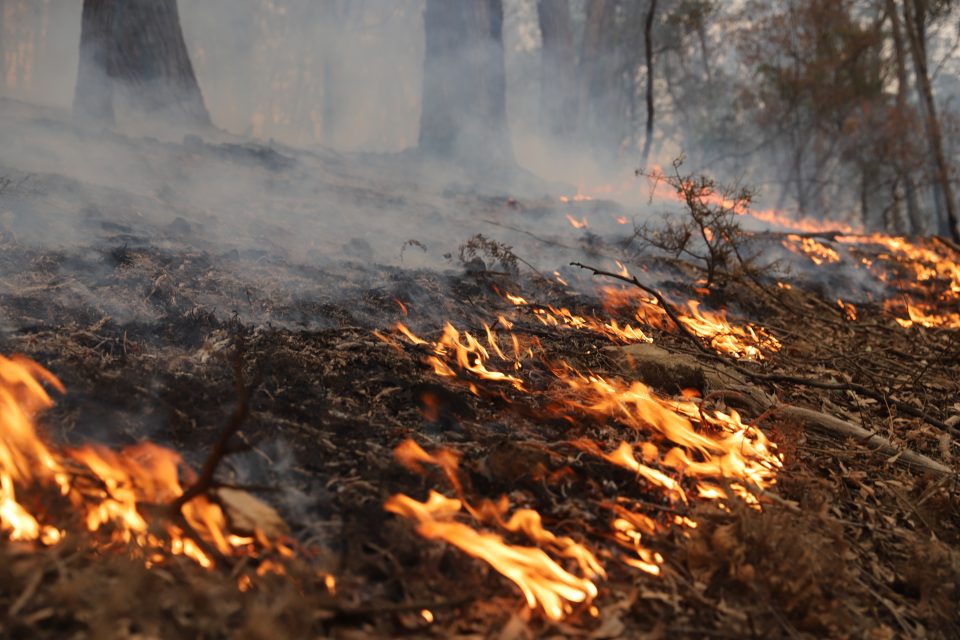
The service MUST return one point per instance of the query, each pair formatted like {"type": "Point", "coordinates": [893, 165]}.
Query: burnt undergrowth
{"type": "Point", "coordinates": [857, 545]}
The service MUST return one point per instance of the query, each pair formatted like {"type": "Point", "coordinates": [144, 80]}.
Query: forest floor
{"type": "Point", "coordinates": [139, 296]}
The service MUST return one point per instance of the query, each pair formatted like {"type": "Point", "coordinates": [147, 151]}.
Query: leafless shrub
{"type": "Point", "coordinates": [708, 232]}
{"type": "Point", "coordinates": [480, 246]}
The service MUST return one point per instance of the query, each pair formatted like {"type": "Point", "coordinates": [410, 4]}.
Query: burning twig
{"type": "Point", "coordinates": [206, 482]}
{"type": "Point", "coordinates": [661, 299]}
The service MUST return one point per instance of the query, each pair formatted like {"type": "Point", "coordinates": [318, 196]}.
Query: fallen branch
{"type": "Point", "coordinates": [205, 481]}
{"type": "Point", "coordinates": [827, 423]}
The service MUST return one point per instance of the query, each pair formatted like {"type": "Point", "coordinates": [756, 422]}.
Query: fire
{"type": "Point", "coordinates": [924, 274]}
{"type": "Point", "coordinates": [578, 197]}
{"type": "Point", "coordinates": [550, 316]}
{"type": "Point", "coordinates": [724, 447]}
{"type": "Point", "coordinates": [918, 315]}
{"type": "Point", "coordinates": [818, 252]}
{"type": "Point", "coordinates": [542, 580]}
{"type": "Point", "coordinates": [675, 446]}
{"type": "Point", "coordinates": [544, 583]}
{"type": "Point", "coordinates": [849, 311]}
{"type": "Point", "coordinates": [125, 495]}
{"type": "Point", "coordinates": [577, 224]}
{"type": "Point", "coordinates": [469, 354]}
{"type": "Point", "coordinates": [802, 225]}
{"type": "Point", "coordinates": [931, 275]}
{"type": "Point", "coordinates": [744, 341]}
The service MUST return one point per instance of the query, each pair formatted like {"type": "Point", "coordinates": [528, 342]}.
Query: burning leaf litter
{"type": "Point", "coordinates": [679, 442]}
{"type": "Point", "coordinates": [129, 496]}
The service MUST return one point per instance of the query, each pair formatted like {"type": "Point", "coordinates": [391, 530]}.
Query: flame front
{"type": "Point", "coordinates": [674, 446]}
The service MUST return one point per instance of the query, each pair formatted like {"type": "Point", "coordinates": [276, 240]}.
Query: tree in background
{"type": "Point", "coordinates": [464, 109]}
{"type": "Point", "coordinates": [558, 69]}
{"type": "Point", "coordinates": [134, 49]}
{"type": "Point", "coordinates": [917, 16]}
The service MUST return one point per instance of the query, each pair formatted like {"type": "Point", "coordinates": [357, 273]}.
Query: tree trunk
{"type": "Point", "coordinates": [135, 49]}
{"type": "Point", "coordinates": [917, 224]}
{"type": "Point", "coordinates": [93, 100]}
{"type": "Point", "coordinates": [600, 123]}
{"type": "Point", "coordinates": [914, 24]}
{"type": "Point", "coordinates": [558, 91]}
{"type": "Point", "coordinates": [648, 52]}
{"type": "Point", "coordinates": [464, 109]}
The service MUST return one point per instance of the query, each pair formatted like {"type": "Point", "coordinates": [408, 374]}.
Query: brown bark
{"type": "Point", "coordinates": [914, 19]}
{"type": "Point", "coordinates": [464, 109]}
{"type": "Point", "coordinates": [135, 49]}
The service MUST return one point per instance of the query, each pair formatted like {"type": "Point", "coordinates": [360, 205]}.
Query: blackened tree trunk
{"type": "Point", "coordinates": [558, 83]}
{"type": "Point", "coordinates": [134, 49]}
{"type": "Point", "coordinates": [464, 109]}
{"type": "Point", "coordinates": [648, 54]}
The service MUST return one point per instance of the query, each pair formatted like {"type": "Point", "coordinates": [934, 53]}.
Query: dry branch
{"type": "Point", "coordinates": [836, 426]}
{"type": "Point", "coordinates": [765, 377]}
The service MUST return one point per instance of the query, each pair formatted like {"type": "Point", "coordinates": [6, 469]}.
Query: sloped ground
{"type": "Point", "coordinates": [140, 317]}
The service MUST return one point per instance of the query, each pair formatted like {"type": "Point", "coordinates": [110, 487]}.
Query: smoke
{"type": "Point", "coordinates": [329, 91]}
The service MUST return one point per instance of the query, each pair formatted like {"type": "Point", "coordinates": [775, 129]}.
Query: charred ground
{"type": "Point", "coordinates": [142, 316]}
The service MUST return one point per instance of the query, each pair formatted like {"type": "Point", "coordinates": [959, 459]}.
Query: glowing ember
{"type": "Point", "coordinates": [577, 224]}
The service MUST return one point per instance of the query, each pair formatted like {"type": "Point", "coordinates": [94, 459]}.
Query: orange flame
{"type": "Point", "coordinates": [818, 252]}
{"type": "Point", "coordinates": [716, 452]}
{"type": "Point", "coordinates": [745, 341]}
{"type": "Point", "coordinates": [543, 582]}
{"type": "Point", "coordinates": [125, 492]}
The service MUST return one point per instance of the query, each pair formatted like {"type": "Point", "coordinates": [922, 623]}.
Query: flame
{"type": "Point", "coordinates": [125, 494]}
{"type": "Point", "coordinates": [578, 197]}
{"type": "Point", "coordinates": [803, 225]}
{"type": "Point", "coordinates": [849, 311]}
{"type": "Point", "coordinates": [818, 252]}
{"type": "Point", "coordinates": [730, 450]}
{"type": "Point", "coordinates": [932, 278]}
{"type": "Point", "coordinates": [577, 224]}
{"type": "Point", "coordinates": [544, 583]}
{"type": "Point", "coordinates": [468, 355]}
{"type": "Point", "coordinates": [746, 341]}
{"type": "Point", "coordinates": [685, 451]}
{"type": "Point", "coordinates": [550, 316]}
{"type": "Point", "coordinates": [923, 316]}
